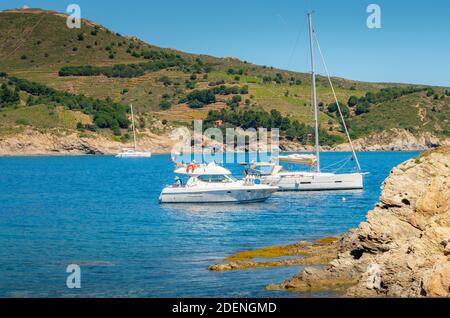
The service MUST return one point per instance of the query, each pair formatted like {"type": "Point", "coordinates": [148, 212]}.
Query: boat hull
{"type": "Point", "coordinates": [238, 195]}
{"type": "Point", "coordinates": [315, 181]}
{"type": "Point", "coordinates": [135, 155]}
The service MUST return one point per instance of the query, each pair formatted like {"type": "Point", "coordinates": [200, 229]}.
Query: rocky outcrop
{"type": "Point", "coordinates": [403, 247]}
{"type": "Point", "coordinates": [33, 142]}
{"type": "Point", "coordinates": [71, 142]}
{"type": "Point", "coordinates": [391, 140]}
{"type": "Point", "coordinates": [299, 254]}
{"type": "Point", "coordinates": [395, 140]}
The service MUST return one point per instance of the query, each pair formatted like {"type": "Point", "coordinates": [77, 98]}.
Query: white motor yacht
{"type": "Point", "coordinates": [214, 184]}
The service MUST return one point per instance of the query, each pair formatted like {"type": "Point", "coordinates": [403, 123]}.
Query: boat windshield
{"type": "Point", "coordinates": [221, 178]}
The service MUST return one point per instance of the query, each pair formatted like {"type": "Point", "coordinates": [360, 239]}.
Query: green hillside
{"type": "Point", "coordinates": [95, 73]}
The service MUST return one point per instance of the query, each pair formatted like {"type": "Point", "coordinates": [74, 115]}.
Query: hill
{"type": "Point", "coordinates": [88, 76]}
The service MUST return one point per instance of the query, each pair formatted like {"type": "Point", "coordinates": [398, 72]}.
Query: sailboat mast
{"type": "Point", "coordinates": [134, 129]}
{"type": "Point", "coordinates": [313, 80]}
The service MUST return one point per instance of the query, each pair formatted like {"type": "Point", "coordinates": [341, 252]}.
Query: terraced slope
{"type": "Point", "coordinates": [37, 46]}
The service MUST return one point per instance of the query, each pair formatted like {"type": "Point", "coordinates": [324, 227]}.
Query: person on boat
{"type": "Point", "coordinates": [178, 182]}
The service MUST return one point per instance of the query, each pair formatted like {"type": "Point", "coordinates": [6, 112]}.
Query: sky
{"type": "Point", "coordinates": [412, 45]}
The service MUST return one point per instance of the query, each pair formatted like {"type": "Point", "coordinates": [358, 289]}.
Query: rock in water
{"type": "Point", "coordinates": [402, 249]}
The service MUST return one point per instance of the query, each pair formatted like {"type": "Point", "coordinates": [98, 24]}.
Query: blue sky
{"type": "Point", "coordinates": [413, 45]}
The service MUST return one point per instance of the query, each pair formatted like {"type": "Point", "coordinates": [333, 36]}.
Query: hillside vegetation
{"type": "Point", "coordinates": [94, 73]}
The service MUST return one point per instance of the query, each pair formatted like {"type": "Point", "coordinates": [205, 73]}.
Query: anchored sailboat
{"type": "Point", "coordinates": [133, 153]}
{"type": "Point", "coordinates": [313, 180]}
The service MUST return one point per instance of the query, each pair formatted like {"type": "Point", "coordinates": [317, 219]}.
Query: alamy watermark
{"type": "Point", "coordinates": [74, 278]}
{"type": "Point", "coordinates": [374, 19]}
{"type": "Point", "coordinates": [74, 19]}
{"type": "Point", "coordinates": [224, 145]}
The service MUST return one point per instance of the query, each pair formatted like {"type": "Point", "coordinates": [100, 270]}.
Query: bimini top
{"type": "Point", "coordinates": [194, 169]}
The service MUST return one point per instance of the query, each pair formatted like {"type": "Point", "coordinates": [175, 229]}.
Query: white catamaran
{"type": "Point", "coordinates": [133, 153]}
{"type": "Point", "coordinates": [315, 179]}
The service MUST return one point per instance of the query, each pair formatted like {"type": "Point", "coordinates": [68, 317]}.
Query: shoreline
{"type": "Point", "coordinates": [55, 154]}
{"type": "Point", "coordinates": [35, 143]}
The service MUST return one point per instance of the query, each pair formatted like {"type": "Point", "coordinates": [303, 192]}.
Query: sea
{"type": "Point", "coordinates": [102, 215]}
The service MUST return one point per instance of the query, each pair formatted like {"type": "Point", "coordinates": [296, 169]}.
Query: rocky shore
{"type": "Point", "coordinates": [64, 143]}
{"type": "Point", "coordinates": [401, 250]}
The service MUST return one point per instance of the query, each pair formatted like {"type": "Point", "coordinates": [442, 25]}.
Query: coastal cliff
{"type": "Point", "coordinates": [401, 250]}
{"type": "Point", "coordinates": [66, 143]}
{"type": "Point", "coordinates": [403, 247]}
{"type": "Point", "coordinates": [32, 142]}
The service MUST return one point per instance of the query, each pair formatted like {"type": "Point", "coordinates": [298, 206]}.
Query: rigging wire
{"type": "Point", "coordinates": [337, 102]}
{"type": "Point", "coordinates": [300, 32]}
{"type": "Point", "coordinates": [345, 161]}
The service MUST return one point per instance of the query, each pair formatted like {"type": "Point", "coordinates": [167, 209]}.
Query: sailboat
{"type": "Point", "coordinates": [133, 153]}
{"type": "Point", "coordinates": [273, 174]}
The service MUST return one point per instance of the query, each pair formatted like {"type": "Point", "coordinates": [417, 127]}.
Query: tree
{"type": "Point", "coordinates": [332, 108]}
{"type": "Point", "coordinates": [8, 97]}
{"type": "Point", "coordinates": [362, 108]}
{"type": "Point", "coordinates": [352, 101]}
{"type": "Point", "coordinates": [195, 104]}
{"type": "Point", "coordinates": [116, 129]}
{"type": "Point", "coordinates": [244, 90]}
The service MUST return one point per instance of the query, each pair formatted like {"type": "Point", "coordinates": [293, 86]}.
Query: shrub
{"type": "Point", "coordinates": [22, 121]}
{"type": "Point", "coordinates": [165, 104]}
{"type": "Point", "coordinates": [165, 80]}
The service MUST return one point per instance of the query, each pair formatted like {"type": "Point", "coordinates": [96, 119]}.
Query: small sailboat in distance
{"type": "Point", "coordinates": [133, 153]}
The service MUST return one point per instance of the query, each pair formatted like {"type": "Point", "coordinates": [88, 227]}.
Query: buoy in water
{"type": "Point", "coordinates": [344, 199]}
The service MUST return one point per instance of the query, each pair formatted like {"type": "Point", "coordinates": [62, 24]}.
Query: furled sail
{"type": "Point", "coordinates": [305, 159]}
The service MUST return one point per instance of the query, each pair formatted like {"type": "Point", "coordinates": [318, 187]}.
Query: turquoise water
{"type": "Point", "coordinates": [103, 214]}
